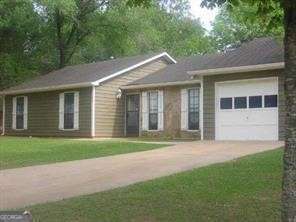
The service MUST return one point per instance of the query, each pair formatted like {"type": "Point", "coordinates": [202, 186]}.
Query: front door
{"type": "Point", "coordinates": [132, 115]}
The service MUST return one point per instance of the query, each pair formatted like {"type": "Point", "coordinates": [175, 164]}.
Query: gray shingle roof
{"type": "Point", "coordinates": [84, 73]}
{"type": "Point", "coordinates": [258, 51]}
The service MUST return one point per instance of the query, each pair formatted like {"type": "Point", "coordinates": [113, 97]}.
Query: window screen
{"type": "Point", "coordinates": [69, 111]}
{"type": "Point", "coordinates": [226, 103]}
{"type": "Point", "coordinates": [193, 109]}
{"type": "Point", "coordinates": [255, 102]}
{"type": "Point", "coordinates": [153, 110]}
{"type": "Point", "coordinates": [20, 106]}
{"type": "Point", "coordinates": [270, 101]}
{"type": "Point", "coordinates": [240, 102]}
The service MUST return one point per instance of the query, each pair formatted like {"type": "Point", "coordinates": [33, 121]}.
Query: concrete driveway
{"type": "Point", "coordinates": [38, 184]}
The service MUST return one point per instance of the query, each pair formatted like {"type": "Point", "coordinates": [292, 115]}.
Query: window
{"type": "Point", "coordinates": [226, 103]}
{"type": "Point", "coordinates": [69, 111]}
{"type": "Point", "coordinates": [240, 102]}
{"type": "Point", "coordinates": [193, 109]}
{"type": "Point", "coordinates": [270, 101]}
{"type": "Point", "coordinates": [153, 110]}
{"type": "Point", "coordinates": [20, 105]}
{"type": "Point", "coordinates": [255, 101]}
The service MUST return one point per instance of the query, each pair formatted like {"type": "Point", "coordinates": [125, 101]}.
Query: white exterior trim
{"type": "Point", "coordinates": [154, 85]}
{"type": "Point", "coordinates": [3, 124]}
{"type": "Point", "coordinates": [160, 121]}
{"type": "Point", "coordinates": [50, 88]}
{"type": "Point", "coordinates": [238, 69]}
{"type": "Point", "coordinates": [164, 54]}
{"type": "Point", "coordinates": [184, 109]}
{"type": "Point", "coordinates": [93, 111]}
{"type": "Point", "coordinates": [201, 119]}
{"type": "Point", "coordinates": [247, 80]}
{"type": "Point", "coordinates": [25, 113]}
{"type": "Point", "coordinates": [62, 111]}
{"type": "Point", "coordinates": [236, 81]}
{"type": "Point", "coordinates": [144, 110]}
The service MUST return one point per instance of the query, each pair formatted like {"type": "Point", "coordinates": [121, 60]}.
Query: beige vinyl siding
{"type": "Point", "coordinates": [209, 98]}
{"type": "Point", "coordinates": [110, 111]}
{"type": "Point", "coordinates": [43, 114]}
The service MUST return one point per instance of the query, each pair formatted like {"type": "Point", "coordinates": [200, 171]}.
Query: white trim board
{"type": "Point", "coordinates": [93, 112]}
{"type": "Point", "coordinates": [201, 116]}
{"type": "Point", "coordinates": [93, 83]}
{"type": "Point", "coordinates": [154, 85]}
{"type": "Point", "coordinates": [45, 89]}
{"type": "Point", "coordinates": [238, 69]}
{"type": "Point", "coordinates": [3, 113]}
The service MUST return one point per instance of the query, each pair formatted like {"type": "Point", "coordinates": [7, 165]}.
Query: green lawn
{"type": "Point", "coordinates": [19, 152]}
{"type": "Point", "coordinates": [247, 189]}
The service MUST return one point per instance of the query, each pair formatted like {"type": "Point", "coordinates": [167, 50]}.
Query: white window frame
{"type": "Point", "coordinates": [148, 110]}
{"type": "Point", "coordinates": [145, 110]}
{"type": "Point", "coordinates": [198, 96]}
{"type": "Point", "coordinates": [25, 113]}
{"type": "Point", "coordinates": [76, 110]}
{"type": "Point", "coordinates": [185, 109]}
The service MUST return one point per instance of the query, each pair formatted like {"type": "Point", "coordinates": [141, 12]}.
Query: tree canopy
{"type": "Point", "coordinates": [38, 36]}
{"type": "Point", "coordinates": [235, 25]}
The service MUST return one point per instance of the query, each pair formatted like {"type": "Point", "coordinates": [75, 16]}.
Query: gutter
{"type": "Point", "coordinates": [50, 88]}
{"type": "Point", "coordinates": [238, 69]}
{"type": "Point", "coordinates": [153, 85]}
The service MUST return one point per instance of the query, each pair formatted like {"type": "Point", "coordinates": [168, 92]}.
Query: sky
{"type": "Point", "coordinates": [206, 15]}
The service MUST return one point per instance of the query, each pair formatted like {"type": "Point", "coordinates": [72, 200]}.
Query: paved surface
{"type": "Point", "coordinates": [38, 184]}
{"type": "Point", "coordinates": [131, 140]}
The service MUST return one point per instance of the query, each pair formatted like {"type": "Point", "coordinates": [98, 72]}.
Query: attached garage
{"type": "Point", "coordinates": [247, 109]}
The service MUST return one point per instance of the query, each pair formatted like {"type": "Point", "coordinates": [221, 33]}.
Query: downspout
{"type": "Point", "coordinates": [201, 119]}
{"type": "Point", "coordinates": [93, 111]}
{"type": "Point", "coordinates": [3, 119]}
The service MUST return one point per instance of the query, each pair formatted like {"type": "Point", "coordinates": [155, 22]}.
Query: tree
{"type": "Point", "coordinates": [20, 41]}
{"type": "Point", "coordinates": [38, 36]}
{"type": "Point", "coordinates": [268, 7]}
{"type": "Point", "coordinates": [70, 20]}
{"type": "Point", "coordinates": [241, 24]}
{"type": "Point", "coordinates": [143, 30]}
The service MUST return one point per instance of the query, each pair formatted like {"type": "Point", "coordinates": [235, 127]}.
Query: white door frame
{"type": "Point", "coordinates": [238, 81]}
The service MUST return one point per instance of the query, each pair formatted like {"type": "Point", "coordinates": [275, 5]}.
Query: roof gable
{"type": "Point", "coordinates": [86, 74]}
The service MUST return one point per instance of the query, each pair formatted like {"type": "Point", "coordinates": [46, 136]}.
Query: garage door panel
{"type": "Point", "coordinates": [233, 133]}
{"type": "Point", "coordinates": [247, 123]}
{"type": "Point", "coordinates": [232, 118]}
{"type": "Point", "coordinates": [264, 117]}
{"type": "Point", "coordinates": [251, 133]}
{"type": "Point", "coordinates": [251, 88]}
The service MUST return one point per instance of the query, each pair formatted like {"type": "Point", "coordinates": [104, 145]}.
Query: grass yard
{"type": "Point", "coordinates": [247, 189]}
{"type": "Point", "coordinates": [20, 152]}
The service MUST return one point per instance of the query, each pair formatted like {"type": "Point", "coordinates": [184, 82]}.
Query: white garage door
{"type": "Point", "coordinates": [247, 110]}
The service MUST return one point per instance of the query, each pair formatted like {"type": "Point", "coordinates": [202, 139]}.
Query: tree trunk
{"type": "Point", "coordinates": [60, 40]}
{"type": "Point", "coordinates": [289, 176]}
